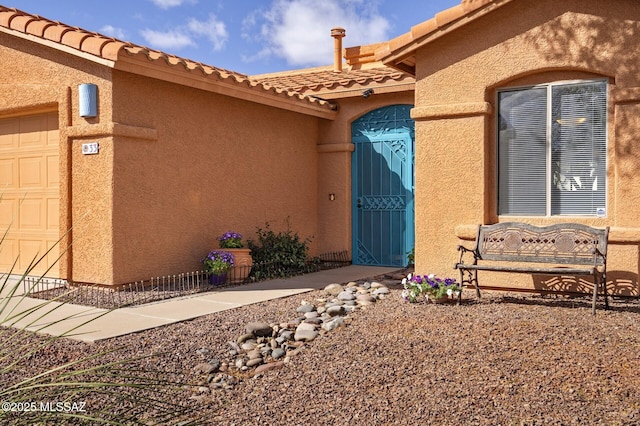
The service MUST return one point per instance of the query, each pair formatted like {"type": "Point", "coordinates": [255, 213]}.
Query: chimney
{"type": "Point", "coordinates": [337, 34]}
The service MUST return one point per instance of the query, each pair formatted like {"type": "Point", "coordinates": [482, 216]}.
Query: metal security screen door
{"type": "Point", "coordinates": [383, 205]}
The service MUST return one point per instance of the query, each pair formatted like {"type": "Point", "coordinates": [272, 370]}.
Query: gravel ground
{"type": "Point", "coordinates": [508, 359]}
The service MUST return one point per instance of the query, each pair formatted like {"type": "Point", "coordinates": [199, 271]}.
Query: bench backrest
{"type": "Point", "coordinates": [561, 243]}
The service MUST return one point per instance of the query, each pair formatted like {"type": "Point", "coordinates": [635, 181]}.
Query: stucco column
{"type": "Point", "coordinates": [334, 195]}
{"type": "Point", "coordinates": [91, 210]}
{"type": "Point", "coordinates": [451, 180]}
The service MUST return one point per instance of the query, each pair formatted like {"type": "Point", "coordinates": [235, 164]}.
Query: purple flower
{"type": "Point", "coordinates": [218, 261]}
{"type": "Point", "coordinates": [230, 239]}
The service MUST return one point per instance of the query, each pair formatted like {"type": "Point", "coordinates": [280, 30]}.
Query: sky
{"type": "Point", "coordinates": [247, 36]}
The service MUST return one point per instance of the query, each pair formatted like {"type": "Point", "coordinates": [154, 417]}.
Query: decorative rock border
{"type": "Point", "coordinates": [264, 347]}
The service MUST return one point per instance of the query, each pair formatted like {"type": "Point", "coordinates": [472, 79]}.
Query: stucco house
{"type": "Point", "coordinates": [491, 111]}
{"type": "Point", "coordinates": [136, 160]}
{"type": "Point", "coordinates": [526, 111]}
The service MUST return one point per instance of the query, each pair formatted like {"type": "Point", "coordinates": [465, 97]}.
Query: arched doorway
{"type": "Point", "coordinates": [383, 186]}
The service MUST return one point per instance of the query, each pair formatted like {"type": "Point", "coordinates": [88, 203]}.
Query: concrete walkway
{"type": "Point", "coordinates": [92, 324]}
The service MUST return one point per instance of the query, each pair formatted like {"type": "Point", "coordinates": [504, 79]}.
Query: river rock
{"type": "Point", "coordinates": [254, 362]}
{"type": "Point", "coordinates": [333, 324]}
{"type": "Point", "coordinates": [346, 295]}
{"type": "Point", "coordinates": [304, 308]}
{"type": "Point", "coordinates": [305, 332]}
{"type": "Point", "coordinates": [381, 290]}
{"type": "Point", "coordinates": [205, 368]}
{"type": "Point", "coordinates": [335, 310]}
{"type": "Point", "coordinates": [268, 367]}
{"type": "Point", "coordinates": [243, 338]}
{"type": "Point", "coordinates": [259, 329]}
{"type": "Point", "coordinates": [365, 299]}
{"type": "Point", "coordinates": [278, 353]}
{"type": "Point", "coordinates": [333, 289]}
{"type": "Point", "coordinates": [286, 335]}
{"type": "Point", "coordinates": [254, 354]}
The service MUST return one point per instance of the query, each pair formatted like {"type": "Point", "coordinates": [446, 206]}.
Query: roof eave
{"type": "Point", "coordinates": [355, 92]}
{"type": "Point", "coordinates": [229, 86]}
{"type": "Point", "coordinates": [400, 52]}
{"type": "Point", "coordinates": [58, 46]}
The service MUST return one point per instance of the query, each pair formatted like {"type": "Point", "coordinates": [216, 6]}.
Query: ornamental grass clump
{"type": "Point", "coordinates": [44, 381]}
{"type": "Point", "coordinates": [429, 287]}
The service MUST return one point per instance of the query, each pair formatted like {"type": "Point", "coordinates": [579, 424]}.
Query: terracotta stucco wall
{"type": "Point", "coordinates": [457, 79]}
{"type": "Point", "coordinates": [35, 79]}
{"type": "Point", "coordinates": [193, 164]}
{"type": "Point", "coordinates": [334, 167]}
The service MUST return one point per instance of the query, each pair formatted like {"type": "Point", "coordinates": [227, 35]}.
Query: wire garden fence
{"type": "Point", "coordinates": [170, 286]}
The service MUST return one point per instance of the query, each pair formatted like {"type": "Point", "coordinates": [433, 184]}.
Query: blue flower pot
{"type": "Point", "coordinates": [218, 279]}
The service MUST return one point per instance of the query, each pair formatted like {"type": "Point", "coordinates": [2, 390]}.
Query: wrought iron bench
{"type": "Point", "coordinates": [561, 249]}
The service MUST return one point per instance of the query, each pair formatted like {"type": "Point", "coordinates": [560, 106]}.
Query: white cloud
{"type": "Point", "coordinates": [172, 39]}
{"type": "Point", "coordinates": [299, 30]}
{"type": "Point", "coordinates": [213, 29]}
{"type": "Point", "coordinates": [167, 4]}
{"type": "Point", "coordinates": [186, 35]}
{"type": "Point", "coordinates": [112, 31]}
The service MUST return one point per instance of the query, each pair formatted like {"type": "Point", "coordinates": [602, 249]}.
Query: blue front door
{"type": "Point", "coordinates": [382, 205]}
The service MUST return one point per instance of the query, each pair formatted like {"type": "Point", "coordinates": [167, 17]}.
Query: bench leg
{"type": "Point", "coordinates": [595, 294]}
{"type": "Point", "coordinates": [603, 280]}
{"type": "Point", "coordinates": [472, 278]}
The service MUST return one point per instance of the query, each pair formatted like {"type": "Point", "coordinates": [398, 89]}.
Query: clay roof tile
{"type": "Point", "coordinates": [109, 48]}
{"type": "Point", "coordinates": [449, 15]}
{"type": "Point", "coordinates": [5, 16]}
{"type": "Point", "coordinates": [55, 32]}
{"type": "Point", "coordinates": [325, 79]}
{"type": "Point", "coordinates": [74, 38]}
{"type": "Point", "coordinates": [37, 27]}
{"type": "Point", "coordinates": [93, 45]}
{"type": "Point", "coordinates": [400, 51]}
{"type": "Point", "coordinates": [20, 22]}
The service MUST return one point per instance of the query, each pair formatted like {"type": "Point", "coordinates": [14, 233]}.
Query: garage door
{"type": "Point", "coordinates": [30, 190]}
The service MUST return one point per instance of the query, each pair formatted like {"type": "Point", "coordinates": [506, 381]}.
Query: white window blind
{"type": "Point", "coordinates": [552, 150]}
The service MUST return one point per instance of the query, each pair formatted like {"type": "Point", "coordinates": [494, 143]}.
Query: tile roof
{"type": "Point", "coordinates": [400, 51]}
{"type": "Point", "coordinates": [139, 59]}
{"type": "Point", "coordinates": [324, 80]}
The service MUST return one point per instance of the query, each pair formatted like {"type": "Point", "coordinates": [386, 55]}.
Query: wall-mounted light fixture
{"type": "Point", "coordinates": [332, 197]}
{"type": "Point", "coordinates": [367, 93]}
{"type": "Point", "coordinates": [88, 100]}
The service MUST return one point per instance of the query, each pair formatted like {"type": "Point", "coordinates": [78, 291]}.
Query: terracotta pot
{"type": "Point", "coordinates": [443, 299]}
{"type": "Point", "coordinates": [242, 264]}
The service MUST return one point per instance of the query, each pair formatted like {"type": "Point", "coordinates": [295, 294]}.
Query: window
{"type": "Point", "coordinates": [552, 146]}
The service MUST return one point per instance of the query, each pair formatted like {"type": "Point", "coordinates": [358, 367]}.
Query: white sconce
{"type": "Point", "coordinates": [88, 100]}
{"type": "Point", "coordinates": [332, 197]}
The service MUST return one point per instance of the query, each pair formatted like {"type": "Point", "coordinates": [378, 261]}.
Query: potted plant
{"type": "Point", "coordinates": [232, 242]}
{"type": "Point", "coordinates": [217, 264]}
{"type": "Point", "coordinates": [432, 288]}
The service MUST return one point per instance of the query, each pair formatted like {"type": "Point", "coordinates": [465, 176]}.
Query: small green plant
{"type": "Point", "coordinates": [283, 253]}
{"type": "Point", "coordinates": [411, 258]}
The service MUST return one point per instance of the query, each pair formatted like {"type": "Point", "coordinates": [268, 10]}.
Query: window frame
{"type": "Point", "coordinates": [548, 86]}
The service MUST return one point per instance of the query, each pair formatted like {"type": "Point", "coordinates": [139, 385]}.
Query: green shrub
{"type": "Point", "coordinates": [278, 254]}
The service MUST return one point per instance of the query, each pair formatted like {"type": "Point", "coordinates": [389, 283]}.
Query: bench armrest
{"type": "Point", "coordinates": [463, 251]}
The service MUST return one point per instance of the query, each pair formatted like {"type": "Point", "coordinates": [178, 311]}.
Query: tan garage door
{"type": "Point", "coordinates": [30, 190]}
